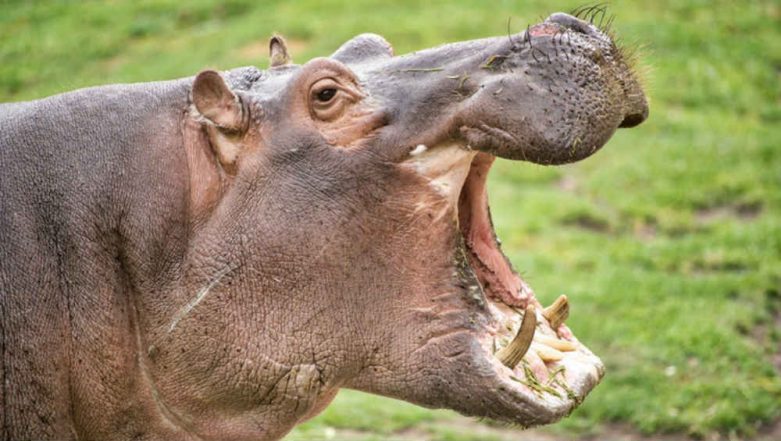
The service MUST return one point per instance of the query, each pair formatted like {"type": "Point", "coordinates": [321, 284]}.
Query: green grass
{"type": "Point", "coordinates": [668, 241]}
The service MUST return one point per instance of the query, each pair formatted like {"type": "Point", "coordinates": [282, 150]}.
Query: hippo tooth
{"type": "Point", "coordinates": [558, 312]}
{"type": "Point", "coordinates": [511, 355]}
{"type": "Point", "coordinates": [555, 343]}
{"type": "Point", "coordinates": [418, 150]}
{"type": "Point", "coordinates": [547, 353]}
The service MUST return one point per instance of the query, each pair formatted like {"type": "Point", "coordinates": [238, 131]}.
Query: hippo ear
{"type": "Point", "coordinates": [215, 101]}
{"type": "Point", "coordinates": [278, 51]}
{"type": "Point", "coordinates": [362, 48]}
{"type": "Point", "coordinates": [224, 110]}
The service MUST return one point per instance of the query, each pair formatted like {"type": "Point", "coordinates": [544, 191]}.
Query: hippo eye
{"type": "Point", "coordinates": [326, 95]}
{"type": "Point", "coordinates": [329, 98]}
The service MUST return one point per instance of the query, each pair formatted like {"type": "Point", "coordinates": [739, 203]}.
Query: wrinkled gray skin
{"type": "Point", "coordinates": [219, 271]}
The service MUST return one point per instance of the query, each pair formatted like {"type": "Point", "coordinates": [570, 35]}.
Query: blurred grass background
{"type": "Point", "coordinates": [668, 241]}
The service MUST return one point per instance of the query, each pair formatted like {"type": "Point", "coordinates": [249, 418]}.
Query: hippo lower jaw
{"type": "Point", "coordinates": [527, 377]}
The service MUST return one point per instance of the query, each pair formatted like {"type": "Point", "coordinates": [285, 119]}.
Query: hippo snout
{"type": "Point", "coordinates": [554, 95]}
{"type": "Point", "coordinates": [636, 103]}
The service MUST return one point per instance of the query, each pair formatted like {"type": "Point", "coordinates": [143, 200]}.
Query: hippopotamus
{"type": "Point", "coordinates": [214, 257]}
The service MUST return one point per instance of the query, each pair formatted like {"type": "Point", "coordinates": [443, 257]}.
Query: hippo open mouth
{"type": "Point", "coordinates": [536, 364]}
{"type": "Point", "coordinates": [530, 346]}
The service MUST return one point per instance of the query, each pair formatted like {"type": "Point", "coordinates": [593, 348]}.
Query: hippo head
{"type": "Point", "coordinates": [349, 242]}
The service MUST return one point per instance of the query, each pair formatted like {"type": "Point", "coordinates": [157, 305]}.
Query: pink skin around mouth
{"type": "Point", "coordinates": [491, 266]}
{"type": "Point", "coordinates": [544, 29]}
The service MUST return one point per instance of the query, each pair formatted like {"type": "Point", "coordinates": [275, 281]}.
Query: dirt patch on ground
{"type": "Point", "coordinates": [743, 211]}
{"type": "Point", "coordinates": [567, 183]}
{"type": "Point", "coordinates": [772, 433]}
{"type": "Point", "coordinates": [773, 299]}
{"type": "Point", "coordinates": [768, 332]}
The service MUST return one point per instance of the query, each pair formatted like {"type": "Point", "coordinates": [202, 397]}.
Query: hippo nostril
{"type": "Point", "coordinates": [631, 120]}
{"type": "Point", "coordinates": [634, 119]}
{"type": "Point", "coordinates": [572, 23]}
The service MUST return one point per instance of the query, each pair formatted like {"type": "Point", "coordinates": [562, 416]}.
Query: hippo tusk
{"type": "Point", "coordinates": [511, 355]}
{"type": "Point", "coordinates": [558, 312]}
{"type": "Point", "coordinates": [555, 343]}
{"type": "Point", "coordinates": [278, 51]}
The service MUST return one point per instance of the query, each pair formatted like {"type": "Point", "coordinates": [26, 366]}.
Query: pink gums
{"type": "Point", "coordinates": [492, 268]}
{"type": "Point", "coordinates": [544, 29]}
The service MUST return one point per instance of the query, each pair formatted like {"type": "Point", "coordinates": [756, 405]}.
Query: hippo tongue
{"type": "Point", "coordinates": [491, 266]}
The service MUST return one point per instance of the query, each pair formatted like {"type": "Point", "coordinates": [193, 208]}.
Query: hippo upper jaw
{"type": "Point", "coordinates": [554, 94]}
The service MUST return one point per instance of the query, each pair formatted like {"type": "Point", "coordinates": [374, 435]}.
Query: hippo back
{"type": "Point", "coordinates": [88, 182]}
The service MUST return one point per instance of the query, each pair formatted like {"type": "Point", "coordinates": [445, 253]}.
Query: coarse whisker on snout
{"type": "Point", "coordinates": [602, 17]}
{"type": "Point", "coordinates": [585, 12]}
{"type": "Point", "coordinates": [513, 46]}
{"type": "Point", "coordinates": [601, 11]}
{"type": "Point", "coordinates": [533, 50]}
{"type": "Point", "coordinates": [608, 27]}
{"type": "Point", "coordinates": [578, 10]}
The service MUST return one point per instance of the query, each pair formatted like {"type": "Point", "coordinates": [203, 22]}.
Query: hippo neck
{"type": "Point", "coordinates": [174, 274]}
